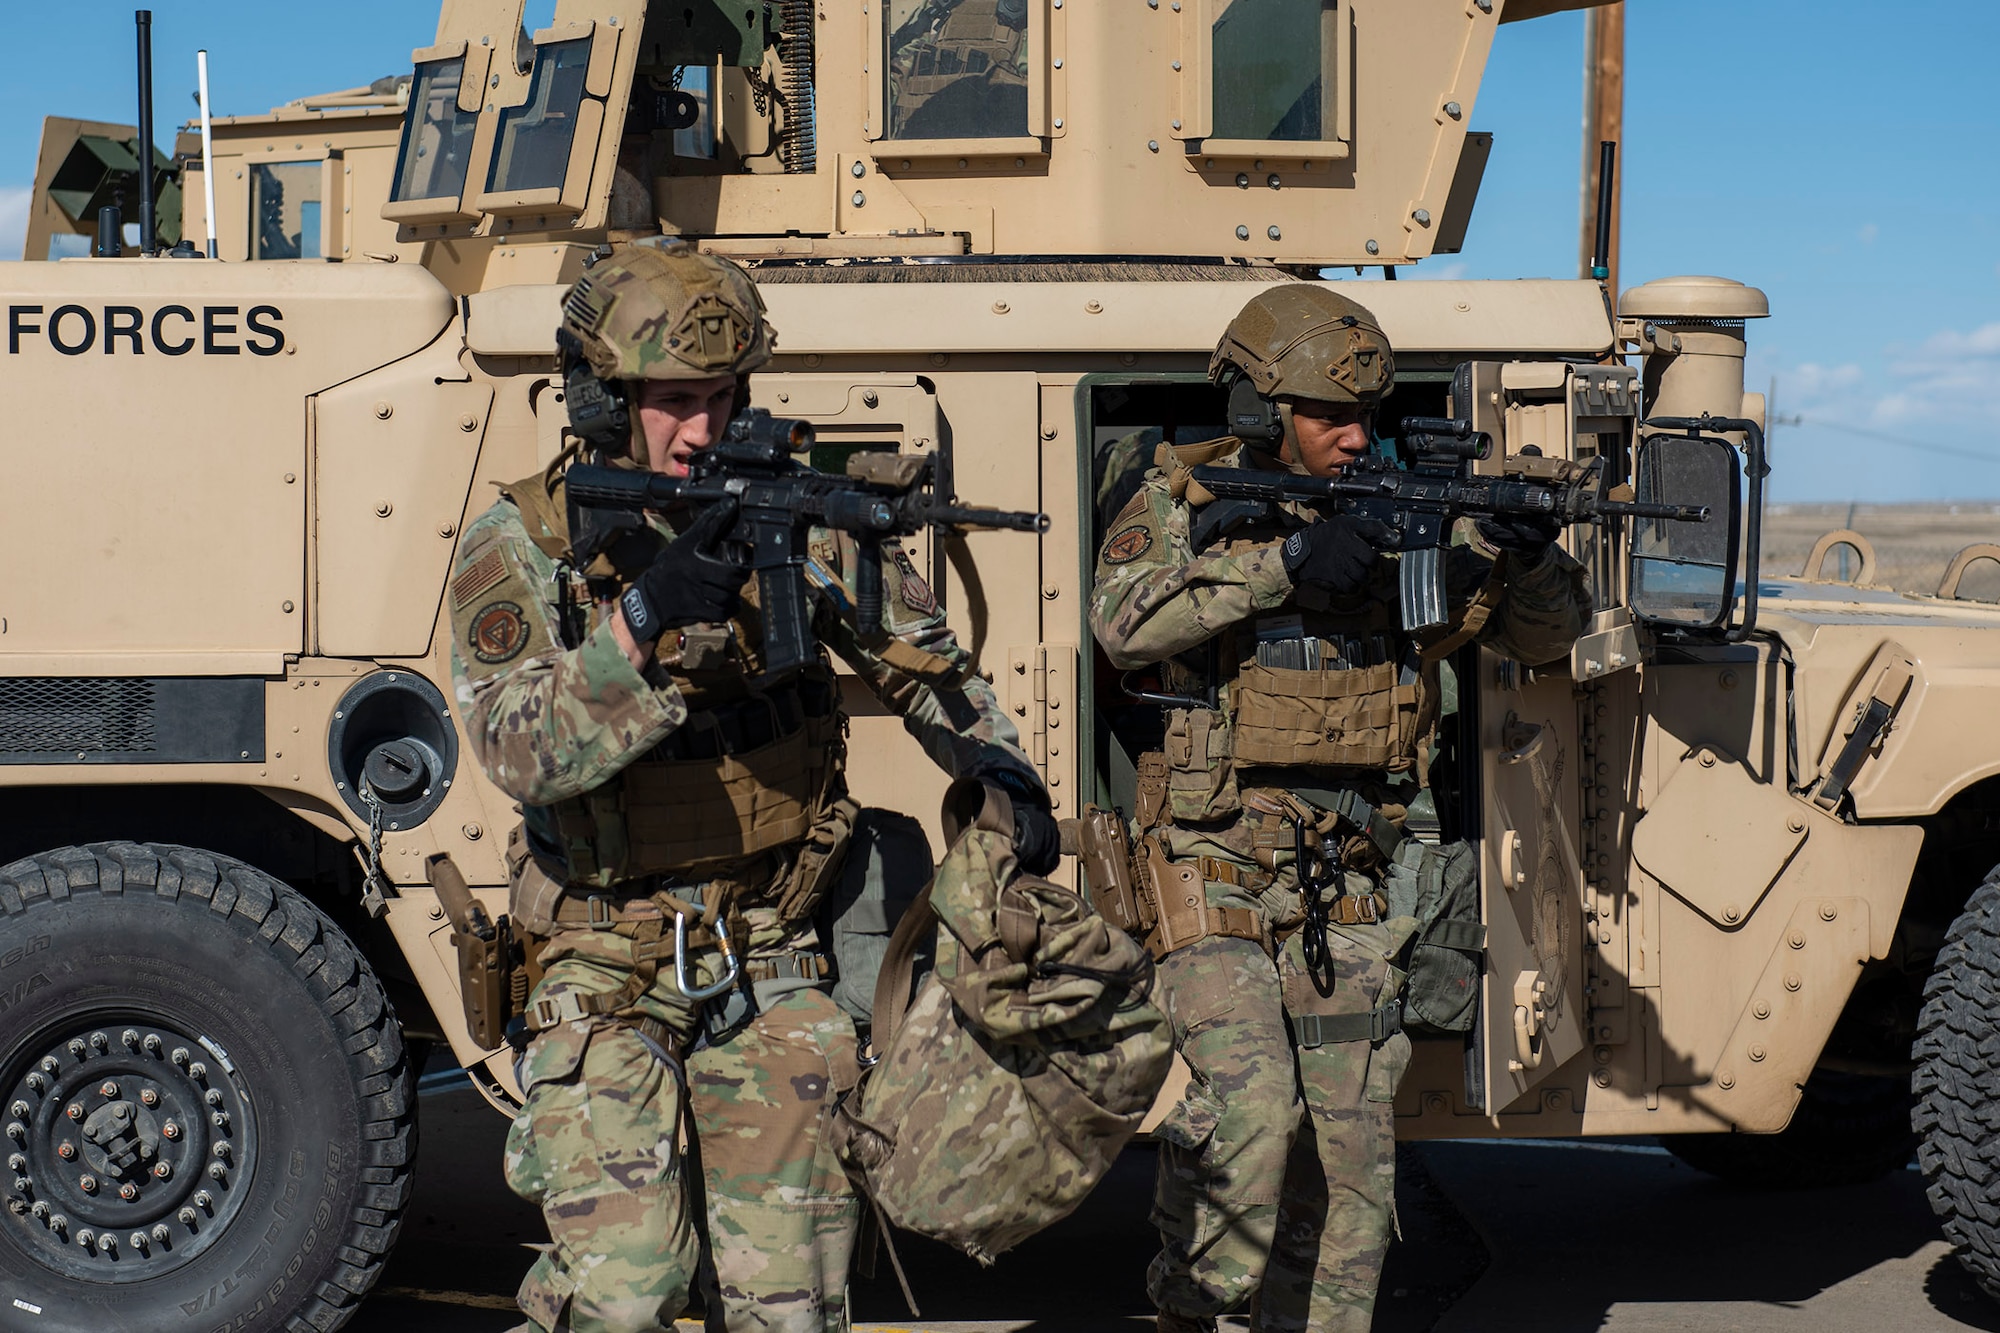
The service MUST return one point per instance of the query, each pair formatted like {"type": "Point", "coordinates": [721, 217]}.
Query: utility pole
{"type": "Point", "coordinates": [1603, 119]}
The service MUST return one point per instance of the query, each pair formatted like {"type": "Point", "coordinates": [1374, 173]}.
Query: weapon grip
{"type": "Point", "coordinates": [868, 587]}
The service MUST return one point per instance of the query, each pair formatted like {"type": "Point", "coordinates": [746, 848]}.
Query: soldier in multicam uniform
{"type": "Point", "coordinates": [1275, 989]}
{"type": "Point", "coordinates": [683, 816]}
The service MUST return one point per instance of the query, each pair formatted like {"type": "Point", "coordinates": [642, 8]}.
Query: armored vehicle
{"type": "Point", "coordinates": [1735, 851]}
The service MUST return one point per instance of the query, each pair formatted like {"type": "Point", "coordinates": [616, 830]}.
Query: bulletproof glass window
{"type": "Point", "coordinates": [956, 71]}
{"type": "Point", "coordinates": [535, 138]}
{"type": "Point", "coordinates": [1684, 574]}
{"type": "Point", "coordinates": [437, 136]}
{"type": "Point", "coordinates": [1272, 70]}
{"type": "Point", "coordinates": [285, 210]}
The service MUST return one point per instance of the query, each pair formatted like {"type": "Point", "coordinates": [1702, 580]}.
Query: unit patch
{"type": "Point", "coordinates": [917, 594]}
{"type": "Point", "coordinates": [1128, 544]}
{"type": "Point", "coordinates": [476, 578]}
{"type": "Point", "coordinates": [499, 632]}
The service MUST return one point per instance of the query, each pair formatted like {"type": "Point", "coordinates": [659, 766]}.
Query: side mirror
{"type": "Point", "coordinates": [1683, 575]}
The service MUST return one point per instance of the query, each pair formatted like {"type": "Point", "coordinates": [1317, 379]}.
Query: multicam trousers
{"type": "Point", "coordinates": [596, 1147]}
{"type": "Point", "coordinates": [1276, 1185]}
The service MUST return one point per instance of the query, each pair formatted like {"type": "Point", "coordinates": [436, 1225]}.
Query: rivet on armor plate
{"type": "Point", "coordinates": [1827, 911]}
{"type": "Point", "coordinates": [1792, 981]}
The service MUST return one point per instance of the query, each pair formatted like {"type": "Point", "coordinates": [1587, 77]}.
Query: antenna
{"type": "Point", "coordinates": [1607, 162]}
{"type": "Point", "coordinates": [207, 151]}
{"type": "Point", "coordinates": [148, 242]}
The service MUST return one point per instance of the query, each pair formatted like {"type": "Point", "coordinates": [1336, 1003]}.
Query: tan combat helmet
{"type": "Point", "coordinates": [655, 312]}
{"type": "Point", "coordinates": [1305, 341]}
{"type": "Point", "coordinates": [667, 312]}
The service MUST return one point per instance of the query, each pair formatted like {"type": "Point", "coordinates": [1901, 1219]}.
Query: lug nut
{"type": "Point", "coordinates": [86, 1238]}
{"type": "Point", "coordinates": [163, 1170]}
{"type": "Point", "coordinates": [204, 1200]}
{"type": "Point", "coordinates": [180, 1055]}
{"type": "Point", "coordinates": [88, 1184]}
{"type": "Point", "coordinates": [98, 1041]}
{"type": "Point", "coordinates": [17, 1131]}
{"type": "Point", "coordinates": [18, 1207]}
{"type": "Point", "coordinates": [16, 1163]}
{"type": "Point", "coordinates": [138, 1241]}
{"type": "Point", "coordinates": [170, 1130]}
{"type": "Point", "coordinates": [110, 1243]}
{"type": "Point", "coordinates": [213, 1096]}
{"type": "Point", "coordinates": [37, 1084]}
{"type": "Point", "coordinates": [21, 1109]}
{"type": "Point", "coordinates": [77, 1049]}
{"type": "Point", "coordinates": [40, 1211]}
{"type": "Point", "coordinates": [128, 1191]}
{"type": "Point", "coordinates": [216, 1172]}
{"type": "Point", "coordinates": [59, 1224]}
{"type": "Point", "coordinates": [49, 1066]}
{"type": "Point", "coordinates": [147, 1097]}
{"type": "Point", "coordinates": [130, 1038]}
{"type": "Point", "coordinates": [220, 1120]}
{"type": "Point", "coordinates": [185, 1217]}
{"type": "Point", "coordinates": [66, 1150]}
{"type": "Point", "coordinates": [161, 1235]}
{"type": "Point", "coordinates": [198, 1071]}
{"type": "Point", "coordinates": [74, 1111]}
{"type": "Point", "coordinates": [151, 1045]}
{"type": "Point", "coordinates": [107, 1089]}
{"type": "Point", "coordinates": [221, 1152]}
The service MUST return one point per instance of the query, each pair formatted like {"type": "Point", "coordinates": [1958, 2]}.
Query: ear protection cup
{"type": "Point", "coordinates": [598, 411]}
{"type": "Point", "coordinates": [1253, 418]}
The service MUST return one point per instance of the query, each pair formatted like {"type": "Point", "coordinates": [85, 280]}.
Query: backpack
{"type": "Point", "coordinates": [1439, 888]}
{"type": "Point", "coordinates": [888, 859]}
{"type": "Point", "coordinates": [999, 1096]}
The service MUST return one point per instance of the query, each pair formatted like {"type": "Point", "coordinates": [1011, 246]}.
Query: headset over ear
{"type": "Point", "coordinates": [1253, 418]}
{"type": "Point", "coordinates": [598, 411]}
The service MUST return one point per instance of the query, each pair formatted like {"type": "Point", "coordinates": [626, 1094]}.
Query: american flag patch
{"type": "Point", "coordinates": [482, 574]}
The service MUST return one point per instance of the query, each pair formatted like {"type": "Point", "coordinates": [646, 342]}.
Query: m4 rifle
{"type": "Point", "coordinates": [778, 499]}
{"type": "Point", "coordinates": [1410, 511]}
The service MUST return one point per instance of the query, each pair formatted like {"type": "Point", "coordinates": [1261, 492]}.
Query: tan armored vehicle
{"type": "Point", "coordinates": [1732, 850]}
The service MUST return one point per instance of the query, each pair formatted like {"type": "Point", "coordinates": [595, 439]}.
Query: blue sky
{"type": "Point", "coordinates": [1843, 157]}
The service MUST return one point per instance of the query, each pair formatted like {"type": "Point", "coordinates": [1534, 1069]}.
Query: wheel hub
{"type": "Point", "coordinates": [129, 1150]}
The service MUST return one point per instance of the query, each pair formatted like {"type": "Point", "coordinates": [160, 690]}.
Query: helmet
{"type": "Point", "coordinates": [667, 312]}
{"type": "Point", "coordinates": [1302, 340]}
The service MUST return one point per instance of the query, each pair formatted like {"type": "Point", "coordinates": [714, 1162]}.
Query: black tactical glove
{"type": "Point", "coordinates": [1037, 841]}
{"type": "Point", "coordinates": [1520, 535]}
{"type": "Point", "coordinates": [1330, 554]}
{"type": "Point", "coordinates": [688, 583]}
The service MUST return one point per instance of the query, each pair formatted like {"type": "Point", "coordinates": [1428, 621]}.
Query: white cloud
{"type": "Point", "coordinates": [13, 222]}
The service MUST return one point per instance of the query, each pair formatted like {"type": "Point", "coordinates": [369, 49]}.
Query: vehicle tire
{"type": "Point", "coordinates": [198, 1065]}
{"type": "Point", "coordinates": [1958, 1086]}
{"type": "Point", "coordinates": [1848, 1129]}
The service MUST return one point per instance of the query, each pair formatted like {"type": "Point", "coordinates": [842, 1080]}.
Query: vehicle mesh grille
{"type": "Point", "coordinates": [76, 715]}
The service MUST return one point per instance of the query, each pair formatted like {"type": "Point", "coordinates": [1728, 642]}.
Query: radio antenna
{"type": "Point", "coordinates": [207, 152]}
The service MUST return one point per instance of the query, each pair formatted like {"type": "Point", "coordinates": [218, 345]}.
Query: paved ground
{"type": "Point", "coordinates": [1554, 1238]}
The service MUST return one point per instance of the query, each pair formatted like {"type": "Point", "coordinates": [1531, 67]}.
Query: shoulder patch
{"type": "Point", "coordinates": [917, 594]}
{"type": "Point", "coordinates": [498, 632]}
{"type": "Point", "coordinates": [477, 577]}
{"type": "Point", "coordinates": [1128, 544]}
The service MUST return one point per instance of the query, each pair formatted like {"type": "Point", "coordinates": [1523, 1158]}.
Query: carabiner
{"type": "Point", "coordinates": [731, 973]}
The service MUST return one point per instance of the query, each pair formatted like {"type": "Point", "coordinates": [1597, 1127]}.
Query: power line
{"type": "Point", "coordinates": [1926, 446]}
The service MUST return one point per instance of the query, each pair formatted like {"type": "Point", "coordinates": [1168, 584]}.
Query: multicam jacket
{"type": "Point", "coordinates": [549, 722]}
{"type": "Point", "coordinates": [1356, 721]}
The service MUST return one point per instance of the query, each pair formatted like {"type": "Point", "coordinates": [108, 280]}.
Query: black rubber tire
{"type": "Point", "coordinates": [1958, 1086]}
{"type": "Point", "coordinates": [303, 1037]}
{"type": "Point", "coordinates": [1848, 1129]}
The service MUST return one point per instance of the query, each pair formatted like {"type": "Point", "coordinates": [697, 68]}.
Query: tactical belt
{"type": "Point", "coordinates": [1217, 871]}
{"type": "Point", "coordinates": [789, 966]}
{"type": "Point", "coordinates": [604, 912]}
{"type": "Point", "coordinates": [1357, 909]}
{"type": "Point", "coordinates": [1314, 1030]}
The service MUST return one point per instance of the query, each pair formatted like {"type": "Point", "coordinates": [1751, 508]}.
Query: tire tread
{"type": "Point", "coordinates": [1958, 1057]}
{"type": "Point", "coordinates": [334, 970]}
